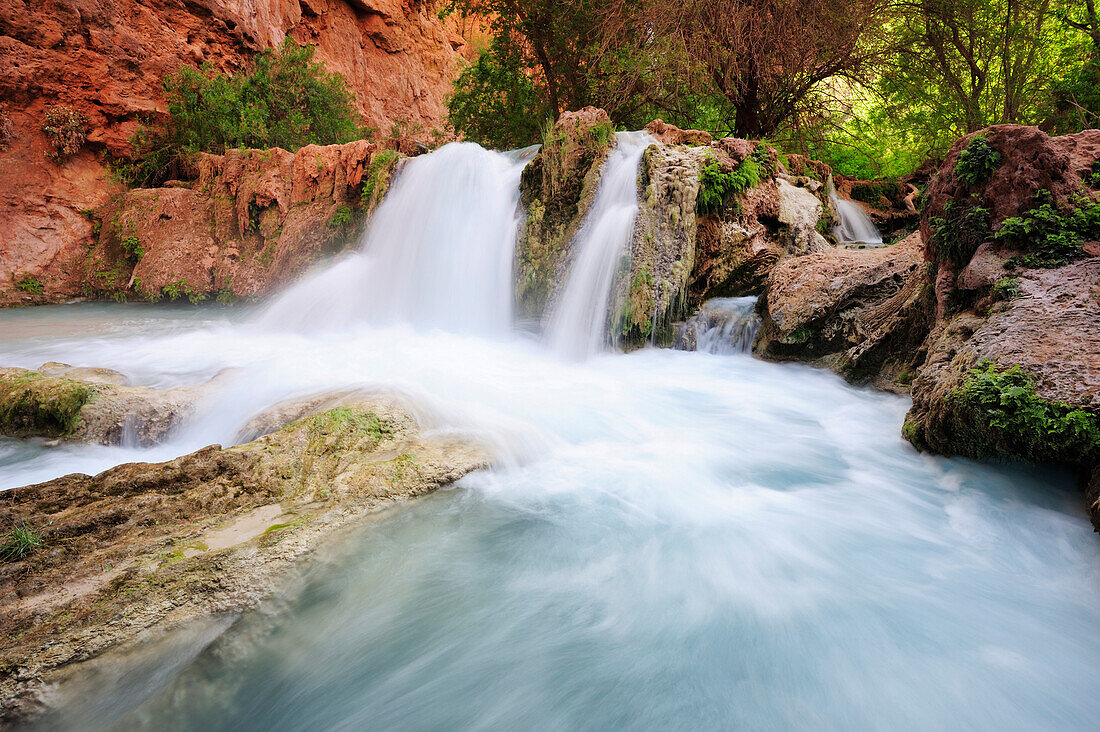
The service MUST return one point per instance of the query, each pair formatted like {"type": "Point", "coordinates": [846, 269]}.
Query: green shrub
{"type": "Point", "coordinates": [31, 285]}
{"type": "Point", "coordinates": [132, 247]}
{"type": "Point", "coordinates": [494, 102]}
{"type": "Point", "coordinates": [377, 178]}
{"type": "Point", "coordinates": [340, 217]}
{"type": "Point", "coordinates": [1050, 236]}
{"type": "Point", "coordinates": [1006, 288]}
{"type": "Point", "coordinates": [20, 542]}
{"type": "Point", "coordinates": [1006, 416]}
{"type": "Point", "coordinates": [717, 186]}
{"type": "Point", "coordinates": [977, 162]}
{"type": "Point", "coordinates": [1093, 178]}
{"type": "Point", "coordinates": [67, 129]}
{"type": "Point", "coordinates": [959, 232]}
{"type": "Point", "coordinates": [285, 100]}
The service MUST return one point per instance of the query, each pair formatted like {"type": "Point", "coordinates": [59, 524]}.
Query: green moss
{"type": "Point", "coordinates": [377, 179]}
{"type": "Point", "coordinates": [905, 378]}
{"type": "Point", "coordinates": [977, 161]}
{"type": "Point", "coordinates": [799, 335]}
{"type": "Point", "coordinates": [31, 404]}
{"type": "Point", "coordinates": [345, 422]}
{"type": "Point", "coordinates": [1003, 415]}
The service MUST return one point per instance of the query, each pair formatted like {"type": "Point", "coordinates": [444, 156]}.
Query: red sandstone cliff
{"type": "Point", "coordinates": [107, 58]}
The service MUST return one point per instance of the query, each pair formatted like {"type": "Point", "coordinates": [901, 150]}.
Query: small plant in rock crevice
{"type": "Point", "coordinates": [132, 247]}
{"type": "Point", "coordinates": [67, 129]}
{"type": "Point", "coordinates": [340, 217]}
{"type": "Point", "coordinates": [1050, 236]}
{"type": "Point", "coordinates": [31, 285]}
{"type": "Point", "coordinates": [717, 186]}
{"type": "Point", "coordinates": [1006, 288]}
{"type": "Point", "coordinates": [960, 231]}
{"type": "Point", "coordinates": [20, 542]}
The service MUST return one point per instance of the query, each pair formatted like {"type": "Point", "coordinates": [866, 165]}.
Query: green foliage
{"type": "Point", "coordinates": [1093, 179]}
{"type": "Point", "coordinates": [873, 193]}
{"type": "Point", "coordinates": [494, 102]}
{"type": "Point", "coordinates": [67, 129]}
{"type": "Point", "coordinates": [977, 161]}
{"type": "Point", "coordinates": [340, 217]}
{"type": "Point", "coordinates": [285, 100]}
{"type": "Point", "coordinates": [716, 186]}
{"type": "Point", "coordinates": [1008, 417]}
{"type": "Point", "coordinates": [178, 289]}
{"type": "Point", "coordinates": [377, 178]}
{"type": "Point", "coordinates": [1051, 237]}
{"type": "Point", "coordinates": [31, 285]}
{"type": "Point", "coordinates": [1006, 288]}
{"type": "Point", "coordinates": [959, 232]}
{"type": "Point", "coordinates": [21, 541]}
{"type": "Point", "coordinates": [226, 296]}
{"type": "Point", "coordinates": [132, 247]}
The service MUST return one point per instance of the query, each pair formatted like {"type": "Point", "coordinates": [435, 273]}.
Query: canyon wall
{"type": "Point", "coordinates": [107, 59]}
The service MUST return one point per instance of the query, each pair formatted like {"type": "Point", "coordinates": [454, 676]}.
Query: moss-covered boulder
{"type": "Point", "coordinates": [556, 189]}
{"type": "Point", "coordinates": [58, 401]}
{"type": "Point", "coordinates": [145, 546]}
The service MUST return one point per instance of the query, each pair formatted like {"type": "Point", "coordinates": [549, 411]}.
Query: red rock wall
{"type": "Point", "coordinates": [107, 58]}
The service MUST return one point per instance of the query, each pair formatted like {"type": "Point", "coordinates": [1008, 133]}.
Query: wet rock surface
{"type": "Point", "coordinates": [145, 547]}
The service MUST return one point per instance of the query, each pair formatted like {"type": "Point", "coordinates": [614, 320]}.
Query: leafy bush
{"type": "Point", "coordinates": [1051, 237]}
{"type": "Point", "coordinates": [132, 247]}
{"type": "Point", "coordinates": [30, 284]}
{"type": "Point", "coordinates": [960, 231]}
{"type": "Point", "coordinates": [1006, 288]}
{"type": "Point", "coordinates": [286, 100]}
{"type": "Point", "coordinates": [20, 542]}
{"type": "Point", "coordinates": [340, 217]}
{"type": "Point", "coordinates": [67, 129]}
{"type": "Point", "coordinates": [716, 186]}
{"type": "Point", "coordinates": [977, 161]}
{"type": "Point", "coordinates": [1008, 416]}
{"type": "Point", "coordinates": [494, 101]}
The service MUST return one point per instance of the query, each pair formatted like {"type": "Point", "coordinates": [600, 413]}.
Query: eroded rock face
{"type": "Point", "coordinates": [107, 60]}
{"type": "Point", "coordinates": [142, 546]}
{"type": "Point", "coordinates": [557, 188]}
{"type": "Point", "coordinates": [250, 222]}
{"type": "Point", "coordinates": [91, 405]}
{"type": "Point", "coordinates": [863, 313]}
{"type": "Point", "coordinates": [653, 292]}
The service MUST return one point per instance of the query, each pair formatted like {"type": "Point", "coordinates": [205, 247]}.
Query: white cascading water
{"type": "Point", "coordinates": [578, 324]}
{"type": "Point", "coordinates": [723, 325]}
{"type": "Point", "coordinates": [668, 541]}
{"type": "Point", "coordinates": [854, 226]}
{"type": "Point", "coordinates": [437, 254]}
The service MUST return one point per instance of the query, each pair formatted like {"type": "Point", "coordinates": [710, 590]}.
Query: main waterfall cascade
{"type": "Point", "coordinates": [669, 541]}
{"type": "Point", "coordinates": [578, 323]}
{"type": "Point", "coordinates": [438, 251]}
{"type": "Point", "coordinates": [854, 226]}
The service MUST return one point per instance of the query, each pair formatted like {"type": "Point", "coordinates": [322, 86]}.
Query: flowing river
{"type": "Point", "coordinates": [670, 540]}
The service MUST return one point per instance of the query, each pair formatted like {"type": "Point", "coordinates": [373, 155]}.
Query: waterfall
{"type": "Point", "coordinates": [723, 325]}
{"type": "Point", "coordinates": [437, 253]}
{"type": "Point", "coordinates": [855, 226]}
{"type": "Point", "coordinates": [578, 322]}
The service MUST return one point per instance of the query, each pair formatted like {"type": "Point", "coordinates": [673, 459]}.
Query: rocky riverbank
{"type": "Point", "coordinates": [94, 563]}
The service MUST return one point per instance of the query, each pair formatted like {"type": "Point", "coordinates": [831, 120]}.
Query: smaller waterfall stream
{"type": "Point", "coordinates": [578, 322]}
{"type": "Point", "coordinates": [855, 226]}
{"type": "Point", "coordinates": [722, 325]}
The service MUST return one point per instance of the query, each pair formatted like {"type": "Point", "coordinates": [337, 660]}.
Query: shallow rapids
{"type": "Point", "coordinates": [672, 540]}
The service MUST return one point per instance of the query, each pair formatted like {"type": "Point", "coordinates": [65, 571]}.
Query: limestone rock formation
{"type": "Point", "coordinates": [557, 188]}
{"type": "Point", "coordinates": [154, 546]}
{"type": "Point", "coordinates": [249, 223]}
{"type": "Point", "coordinates": [863, 313]}
{"type": "Point", "coordinates": [106, 60]}
{"type": "Point", "coordinates": [91, 405]}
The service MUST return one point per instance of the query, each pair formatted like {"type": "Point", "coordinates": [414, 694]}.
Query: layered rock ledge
{"type": "Point", "coordinates": [146, 547]}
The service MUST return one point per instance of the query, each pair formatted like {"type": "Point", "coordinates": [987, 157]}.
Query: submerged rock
{"type": "Point", "coordinates": [145, 546]}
